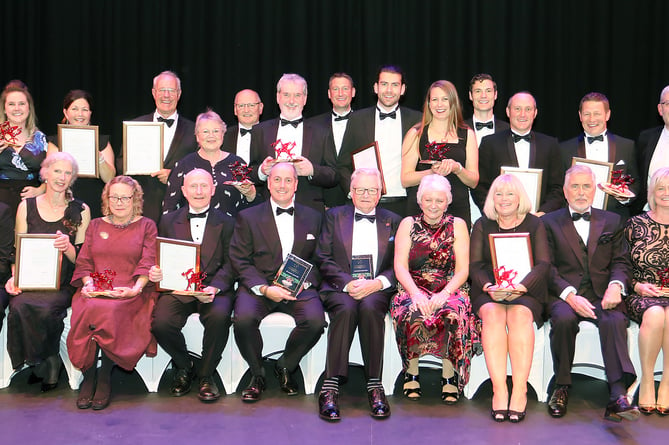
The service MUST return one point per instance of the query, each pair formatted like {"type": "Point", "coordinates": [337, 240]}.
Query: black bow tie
{"type": "Point", "coordinates": [289, 210]}
{"type": "Point", "coordinates": [517, 137]}
{"type": "Point", "coordinates": [243, 131]}
{"type": "Point", "coordinates": [576, 216]}
{"type": "Point", "coordinates": [599, 138]}
{"type": "Point", "coordinates": [197, 215]}
{"type": "Point", "coordinates": [480, 125]}
{"type": "Point", "coordinates": [294, 123]}
{"type": "Point", "coordinates": [382, 115]}
{"type": "Point", "coordinates": [360, 217]}
{"type": "Point", "coordinates": [169, 122]}
{"type": "Point", "coordinates": [344, 117]}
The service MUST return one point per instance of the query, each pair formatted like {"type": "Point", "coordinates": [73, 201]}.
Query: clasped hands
{"type": "Point", "coordinates": [611, 299]}
{"type": "Point", "coordinates": [428, 304]}
{"type": "Point", "coordinates": [360, 288]}
{"type": "Point", "coordinates": [446, 166]}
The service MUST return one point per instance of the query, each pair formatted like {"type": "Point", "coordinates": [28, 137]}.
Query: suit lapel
{"type": "Point", "coordinates": [300, 230]}
{"type": "Point", "coordinates": [533, 151]}
{"type": "Point", "coordinates": [269, 231]}
{"type": "Point", "coordinates": [596, 228]}
{"type": "Point", "coordinates": [612, 149]}
{"type": "Point", "coordinates": [571, 235]}
{"type": "Point", "coordinates": [580, 147]}
{"type": "Point", "coordinates": [345, 232]}
{"type": "Point", "coordinates": [511, 152]}
{"type": "Point", "coordinates": [182, 226]}
{"type": "Point", "coordinates": [307, 135]}
{"type": "Point", "coordinates": [176, 141]}
{"type": "Point", "coordinates": [383, 235]}
{"type": "Point", "coordinates": [210, 240]}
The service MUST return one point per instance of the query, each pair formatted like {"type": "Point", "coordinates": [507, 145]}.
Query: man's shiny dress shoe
{"type": "Point", "coordinates": [252, 392]}
{"type": "Point", "coordinates": [378, 404]}
{"type": "Point", "coordinates": [181, 383]}
{"type": "Point", "coordinates": [286, 381]}
{"type": "Point", "coordinates": [557, 405]}
{"type": "Point", "coordinates": [620, 409]}
{"type": "Point", "coordinates": [208, 390]}
{"type": "Point", "coordinates": [328, 405]}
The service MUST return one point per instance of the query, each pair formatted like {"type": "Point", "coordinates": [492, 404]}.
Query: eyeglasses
{"type": "Point", "coordinates": [361, 191]}
{"type": "Point", "coordinates": [121, 199]}
{"type": "Point", "coordinates": [250, 106]}
{"type": "Point", "coordinates": [170, 91]}
{"type": "Point", "coordinates": [215, 132]}
{"type": "Point", "coordinates": [665, 103]}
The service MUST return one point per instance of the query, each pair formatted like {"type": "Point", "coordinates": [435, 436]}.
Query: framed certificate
{"type": "Point", "coordinates": [82, 142]}
{"type": "Point", "coordinates": [175, 258]}
{"type": "Point", "coordinates": [142, 147]}
{"type": "Point", "coordinates": [292, 274]}
{"type": "Point", "coordinates": [369, 157]}
{"type": "Point", "coordinates": [362, 267]}
{"type": "Point", "coordinates": [38, 262]}
{"type": "Point", "coordinates": [513, 251]}
{"type": "Point", "coordinates": [531, 180]}
{"type": "Point", "coordinates": [602, 171]}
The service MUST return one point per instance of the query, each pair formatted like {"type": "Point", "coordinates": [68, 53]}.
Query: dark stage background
{"type": "Point", "coordinates": [558, 50]}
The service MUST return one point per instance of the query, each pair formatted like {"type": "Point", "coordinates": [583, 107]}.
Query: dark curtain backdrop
{"type": "Point", "coordinates": [558, 50]}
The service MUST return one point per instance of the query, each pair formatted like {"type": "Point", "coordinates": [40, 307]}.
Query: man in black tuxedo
{"type": "Point", "coordinates": [317, 159]}
{"type": "Point", "coordinates": [598, 144]}
{"type": "Point", "coordinates": [354, 301]}
{"type": "Point", "coordinates": [589, 273]}
{"type": "Point", "coordinates": [522, 147]}
{"type": "Point", "coordinates": [264, 236]}
{"type": "Point", "coordinates": [652, 149]}
{"type": "Point", "coordinates": [340, 92]}
{"type": "Point", "coordinates": [212, 230]}
{"type": "Point", "coordinates": [248, 108]}
{"type": "Point", "coordinates": [6, 253]}
{"type": "Point", "coordinates": [179, 140]}
{"type": "Point", "coordinates": [386, 123]}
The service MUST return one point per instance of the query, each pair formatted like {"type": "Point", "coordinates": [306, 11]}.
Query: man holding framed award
{"type": "Point", "coordinates": [355, 254]}
{"type": "Point", "coordinates": [212, 230]}
{"type": "Point", "coordinates": [263, 238]}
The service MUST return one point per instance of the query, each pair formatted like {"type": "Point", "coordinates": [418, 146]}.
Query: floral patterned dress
{"type": "Point", "coordinates": [451, 332]}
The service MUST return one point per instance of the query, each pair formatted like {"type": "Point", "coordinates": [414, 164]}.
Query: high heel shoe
{"type": "Point", "coordinates": [411, 393]}
{"type": "Point", "coordinates": [448, 397]}
{"type": "Point", "coordinates": [662, 410]}
{"type": "Point", "coordinates": [647, 409]}
{"type": "Point", "coordinates": [516, 416]}
{"type": "Point", "coordinates": [499, 415]}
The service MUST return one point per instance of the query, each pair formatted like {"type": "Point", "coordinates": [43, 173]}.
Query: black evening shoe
{"type": "Point", "coordinates": [182, 381]}
{"type": "Point", "coordinates": [516, 416]}
{"type": "Point", "coordinates": [450, 398]}
{"type": "Point", "coordinates": [499, 415]}
{"type": "Point", "coordinates": [208, 390]}
{"type": "Point", "coordinates": [620, 409]}
{"type": "Point", "coordinates": [53, 366]}
{"type": "Point", "coordinates": [378, 404]}
{"type": "Point", "coordinates": [557, 405]}
{"type": "Point", "coordinates": [411, 393]}
{"type": "Point", "coordinates": [647, 410]}
{"type": "Point", "coordinates": [255, 388]}
{"type": "Point", "coordinates": [328, 405]}
{"type": "Point", "coordinates": [286, 381]}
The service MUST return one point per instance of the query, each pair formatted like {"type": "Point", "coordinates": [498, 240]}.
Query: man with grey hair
{"type": "Point", "coordinates": [313, 158]}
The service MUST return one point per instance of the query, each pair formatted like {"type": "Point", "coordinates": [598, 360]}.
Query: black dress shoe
{"type": "Point", "coordinates": [208, 390]}
{"type": "Point", "coordinates": [183, 379]}
{"type": "Point", "coordinates": [252, 392]}
{"type": "Point", "coordinates": [557, 405]}
{"type": "Point", "coordinates": [328, 405]}
{"type": "Point", "coordinates": [286, 381]}
{"type": "Point", "coordinates": [620, 409]}
{"type": "Point", "coordinates": [34, 378]}
{"type": "Point", "coordinates": [378, 404]}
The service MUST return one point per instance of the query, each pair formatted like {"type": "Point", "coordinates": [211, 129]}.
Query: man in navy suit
{"type": "Point", "coordinates": [212, 230]}
{"type": "Point", "coordinates": [599, 144]}
{"type": "Point", "coordinates": [264, 236]}
{"type": "Point", "coordinates": [589, 274]}
{"type": "Point", "coordinates": [352, 301]}
{"type": "Point", "coordinates": [248, 108]}
{"type": "Point", "coordinates": [179, 140]}
{"type": "Point", "coordinates": [316, 158]}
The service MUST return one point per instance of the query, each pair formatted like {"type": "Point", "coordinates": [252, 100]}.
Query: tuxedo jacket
{"type": "Point", "coordinates": [230, 139]}
{"type": "Point", "coordinates": [498, 150]}
{"type": "Point", "coordinates": [361, 131]}
{"type": "Point", "coordinates": [621, 154]}
{"type": "Point", "coordinates": [500, 125]}
{"type": "Point", "coordinates": [314, 147]}
{"type": "Point", "coordinates": [334, 251]}
{"type": "Point", "coordinates": [183, 143]}
{"type": "Point", "coordinates": [645, 147]}
{"type": "Point", "coordinates": [607, 254]}
{"type": "Point", "coordinates": [255, 247]}
{"type": "Point", "coordinates": [214, 259]}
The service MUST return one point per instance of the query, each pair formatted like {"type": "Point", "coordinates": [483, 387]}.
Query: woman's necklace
{"type": "Point", "coordinates": [120, 225]}
{"type": "Point", "coordinates": [513, 225]}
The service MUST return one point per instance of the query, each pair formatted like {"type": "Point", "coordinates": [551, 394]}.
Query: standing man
{"type": "Point", "coordinates": [179, 140]}
{"type": "Point", "coordinates": [351, 232]}
{"type": "Point", "coordinates": [598, 144]}
{"type": "Point", "coordinates": [589, 273]}
{"type": "Point", "coordinates": [340, 92]}
{"type": "Point", "coordinates": [212, 230]}
{"type": "Point", "coordinates": [317, 159]}
{"type": "Point", "coordinates": [386, 123]}
{"type": "Point", "coordinates": [264, 236]}
{"type": "Point", "coordinates": [652, 148]}
{"type": "Point", "coordinates": [248, 108]}
{"type": "Point", "coordinates": [522, 147]}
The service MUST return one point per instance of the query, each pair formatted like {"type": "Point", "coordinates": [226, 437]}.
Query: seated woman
{"type": "Point", "coordinates": [648, 303]}
{"type": "Point", "coordinates": [431, 311]}
{"type": "Point", "coordinates": [507, 316]}
{"type": "Point", "coordinates": [229, 199]}
{"type": "Point", "coordinates": [35, 319]}
{"type": "Point", "coordinates": [121, 244]}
